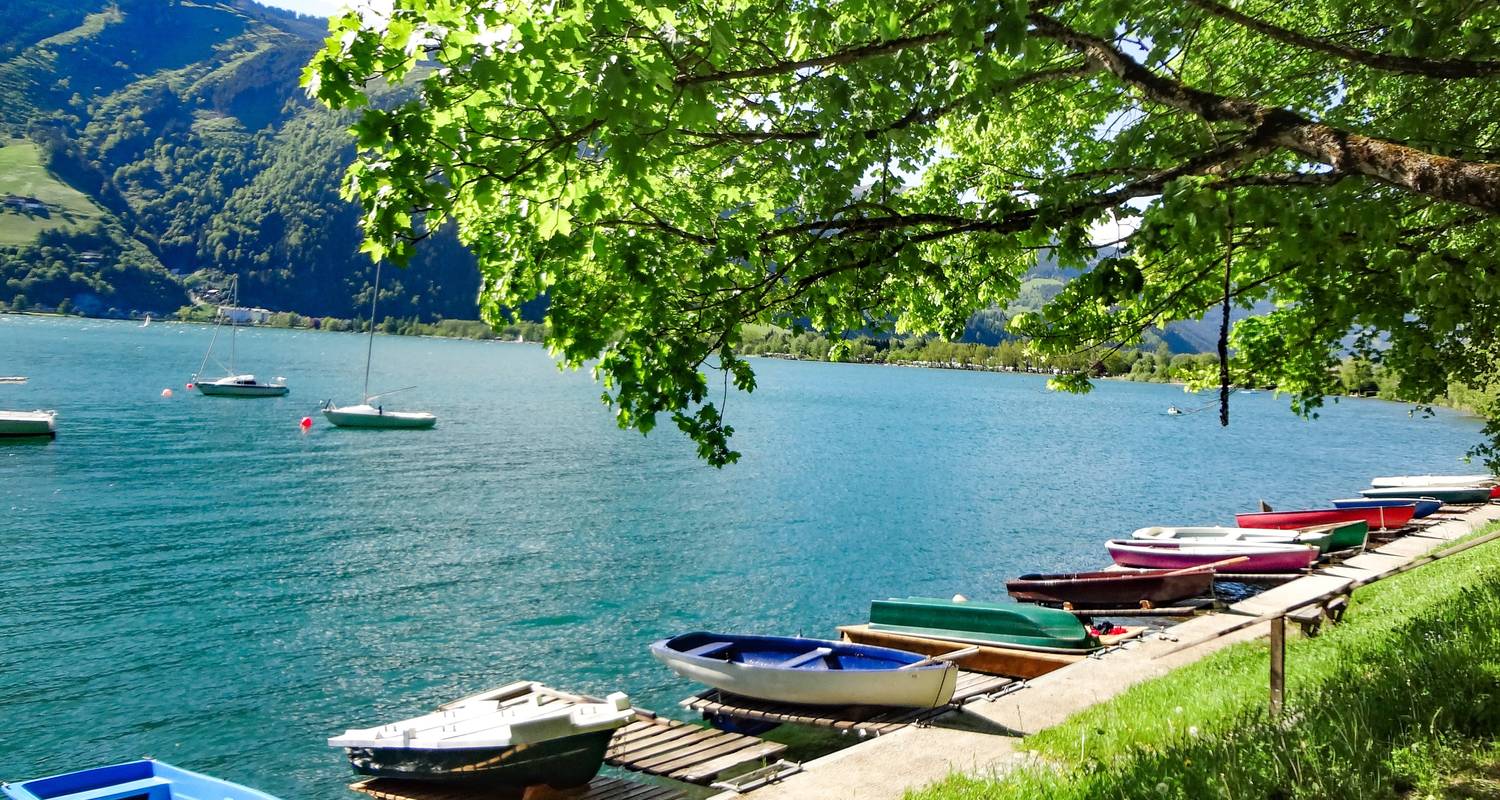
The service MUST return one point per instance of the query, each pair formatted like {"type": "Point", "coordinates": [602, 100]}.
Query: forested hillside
{"type": "Point", "coordinates": [179, 132]}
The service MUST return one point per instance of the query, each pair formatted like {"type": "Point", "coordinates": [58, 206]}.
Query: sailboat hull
{"type": "Point", "coordinates": [240, 390]}
{"type": "Point", "coordinates": [370, 417]}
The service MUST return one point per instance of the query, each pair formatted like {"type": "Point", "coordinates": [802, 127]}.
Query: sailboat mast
{"type": "Point", "coordinates": [370, 346]}
{"type": "Point", "coordinates": [234, 326]}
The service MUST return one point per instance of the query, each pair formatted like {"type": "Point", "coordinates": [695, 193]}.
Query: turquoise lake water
{"type": "Point", "coordinates": [195, 579]}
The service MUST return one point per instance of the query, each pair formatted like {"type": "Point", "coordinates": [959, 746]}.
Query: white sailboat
{"type": "Point", "coordinates": [234, 384]}
{"type": "Point", "coordinates": [368, 414]}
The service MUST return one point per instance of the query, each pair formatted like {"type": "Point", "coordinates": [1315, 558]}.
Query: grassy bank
{"type": "Point", "coordinates": [1387, 704]}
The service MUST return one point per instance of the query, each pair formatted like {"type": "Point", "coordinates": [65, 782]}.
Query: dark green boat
{"type": "Point", "coordinates": [1006, 624]}
{"type": "Point", "coordinates": [1348, 535]}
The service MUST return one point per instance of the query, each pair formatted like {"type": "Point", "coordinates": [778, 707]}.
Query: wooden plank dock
{"type": "Point", "coordinates": [601, 788]}
{"type": "Point", "coordinates": [860, 720]}
{"type": "Point", "coordinates": [684, 751]}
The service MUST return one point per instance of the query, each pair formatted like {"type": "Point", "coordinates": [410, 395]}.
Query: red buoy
{"type": "Point", "coordinates": [306, 423]}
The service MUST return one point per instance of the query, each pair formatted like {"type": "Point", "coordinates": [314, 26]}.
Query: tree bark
{"type": "Point", "coordinates": [1470, 183]}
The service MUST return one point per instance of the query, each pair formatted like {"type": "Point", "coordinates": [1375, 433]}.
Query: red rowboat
{"type": "Point", "coordinates": [1388, 517]}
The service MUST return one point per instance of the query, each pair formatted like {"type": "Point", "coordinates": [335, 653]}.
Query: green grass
{"type": "Point", "coordinates": [22, 173]}
{"type": "Point", "coordinates": [1382, 705]}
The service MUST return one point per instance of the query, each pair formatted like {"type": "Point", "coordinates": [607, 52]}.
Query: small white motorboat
{"type": "Point", "coordinates": [28, 424]}
{"type": "Point", "coordinates": [241, 386]}
{"type": "Point", "coordinates": [365, 415]}
{"type": "Point", "coordinates": [519, 735]}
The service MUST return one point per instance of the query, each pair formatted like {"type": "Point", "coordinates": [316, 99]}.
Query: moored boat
{"type": "Point", "coordinates": [1320, 538]}
{"type": "Point", "coordinates": [1111, 588]}
{"type": "Point", "coordinates": [1459, 495]}
{"type": "Point", "coordinates": [145, 779]}
{"type": "Point", "coordinates": [513, 737]}
{"type": "Point", "coordinates": [1007, 624]}
{"type": "Point", "coordinates": [809, 671]}
{"type": "Point", "coordinates": [1434, 480]}
{"type": "Point", "coordinates": [365, 415]}
{"type": "Point", "coordinates": [28, 424]}
{"type": "Point", "coordinates": [1383, 517]}
{"type": "Point", "coordinates": [241, 386]}
{"type": "Point", "coordinates": [1175, 554]}
{"type": "Point", "coordinates": [1424, 507]}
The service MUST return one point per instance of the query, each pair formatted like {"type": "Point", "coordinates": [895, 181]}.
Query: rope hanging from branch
{"type": "Point", "coordinates": [1224, 321]}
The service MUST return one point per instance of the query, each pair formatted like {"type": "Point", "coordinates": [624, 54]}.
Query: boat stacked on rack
{"type": "Point", "coordinates": [1261, 557]}
{"type": "Point", "coordinates": [1112, 589]}
{"type": "Point", "coordinates": [1378, 517]}
{"type": "Point", "coordinates": [516, 736]}
{"type": "Point", "coordinates": [1454, 495]}
{"type": "Point", "coordinates": [815, 672]}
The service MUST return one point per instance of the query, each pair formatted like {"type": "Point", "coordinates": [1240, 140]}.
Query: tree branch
{"type": "Point", "coordinates": [1411, 65]}
{"type": "Point", "coordinates": [1471, 183]}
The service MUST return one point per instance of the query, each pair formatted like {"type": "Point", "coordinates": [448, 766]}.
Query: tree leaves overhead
{"type": "Point", "coordinates": [668, 173]}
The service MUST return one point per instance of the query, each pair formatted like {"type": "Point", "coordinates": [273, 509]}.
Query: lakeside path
{"type": "Point", "coordinates": [983, 737]}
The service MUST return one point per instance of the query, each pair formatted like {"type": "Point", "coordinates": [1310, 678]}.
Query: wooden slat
{"type": "Point", "coordinates": [601, 788]}
{"type": "Point", "coordinates": [683, 751]}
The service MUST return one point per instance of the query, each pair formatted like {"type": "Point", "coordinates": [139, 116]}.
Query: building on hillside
{"type": "Point", "coordinates": [24, 203]}
{"type": "Point", "coordinates": [239, 315]}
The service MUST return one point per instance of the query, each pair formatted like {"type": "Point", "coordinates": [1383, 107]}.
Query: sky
{"type": "Point", "coordinates": [321, 8]}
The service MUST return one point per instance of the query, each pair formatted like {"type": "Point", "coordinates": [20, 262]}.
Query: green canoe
{"type": "Point", "coordinates": [1010, 624]}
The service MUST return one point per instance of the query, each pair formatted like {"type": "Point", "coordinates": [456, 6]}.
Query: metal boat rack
{"type": "Point", "coordinates": [859, 720]}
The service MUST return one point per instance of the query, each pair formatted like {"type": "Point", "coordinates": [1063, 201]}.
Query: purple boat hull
{"type": "Point", "coordinates": [1180, 555]}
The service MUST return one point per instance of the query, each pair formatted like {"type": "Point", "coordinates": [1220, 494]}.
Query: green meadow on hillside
{"type": "Point", "coordinates": [22, 174]}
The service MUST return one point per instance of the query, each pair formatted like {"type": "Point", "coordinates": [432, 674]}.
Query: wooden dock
{"type": "Point", "coordinates": [602, 788]}
{"type": "Point", "coordinates": [683, 751]}
{"type": "Point", "coordinates": [860, 720]}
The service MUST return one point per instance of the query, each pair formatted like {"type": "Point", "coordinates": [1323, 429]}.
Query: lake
{"type": "Point", "coordinates": [196, 579]}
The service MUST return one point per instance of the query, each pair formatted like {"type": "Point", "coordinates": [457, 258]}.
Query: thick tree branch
{"type": "Point", "coordinates": [1410, 65]}
{"type": "Point", "coordinates": [1468, 183]}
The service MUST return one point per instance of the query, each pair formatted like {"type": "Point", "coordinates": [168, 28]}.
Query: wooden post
{"type": "Point", "coordinates": [1278, 664]}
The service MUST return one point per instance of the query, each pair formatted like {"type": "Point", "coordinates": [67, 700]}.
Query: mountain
{"type": "Point", "coordinates": [164, 137]}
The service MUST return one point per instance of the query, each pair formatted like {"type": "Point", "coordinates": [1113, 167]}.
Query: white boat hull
{"type": "Point", "coordinates": [1225, 536]}
{"type": "Point", "coordinates": [365, 416]}
{"type": "Point", "coordinates": [915, 688]}
{"type": "Point", "coordinates": [216, 389]}
{"type": "Point", "coordinates": [1394, 481]}
{"type": "Point", "coordinates": [28, 424]}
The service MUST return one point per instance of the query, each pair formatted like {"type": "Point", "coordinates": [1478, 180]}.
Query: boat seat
{"type": "Point", "coordinates": [813, 655]}
{"type": "Point", "coordinates": [710, 650]}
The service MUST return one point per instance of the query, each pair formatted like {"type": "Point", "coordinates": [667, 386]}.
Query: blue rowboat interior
{"type": "Point", "coordinates": [146, 779]}
{"type": "Point", "coordinates": [810, 671]}
{"type": "Point", "coordinates": [1426, 506]}
{"type": "Point", "coordinates": [787, 653]}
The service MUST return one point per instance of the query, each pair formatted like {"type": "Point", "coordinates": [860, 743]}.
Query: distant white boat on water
{"type": "Point", "coordinates": [28, 424]}
{"type": "Point", "coordinates": [234, 383]}
{"type": "Point", "coordinates": [147, 323]}
{"type": "Point", "coordinates": [367, 414]}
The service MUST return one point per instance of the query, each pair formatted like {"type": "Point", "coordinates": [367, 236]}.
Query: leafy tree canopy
{"type": "Point", "coordinates": [669, 172]}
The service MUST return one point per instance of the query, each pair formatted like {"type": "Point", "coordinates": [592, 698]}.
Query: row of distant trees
{"type": "Point", "coordinates": [1156, 364]}
{"type": "Point", "coordinates": [398, 326]}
